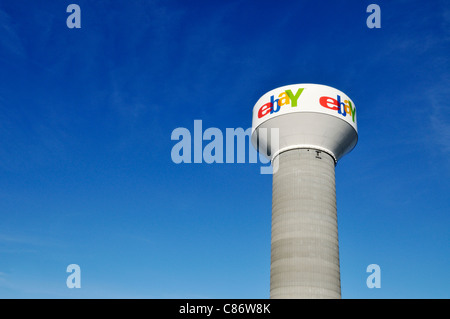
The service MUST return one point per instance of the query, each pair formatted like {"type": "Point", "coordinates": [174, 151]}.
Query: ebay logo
{"type": "Point", "coordinates": [284, 98]}
{"type": "Point", "coordinates": [342, 108]}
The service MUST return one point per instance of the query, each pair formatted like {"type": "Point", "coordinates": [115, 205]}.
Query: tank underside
{"type": "Point", "coordinates": [306, 130]}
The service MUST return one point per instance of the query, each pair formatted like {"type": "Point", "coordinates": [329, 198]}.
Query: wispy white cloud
{"type": "Point", "coordinates": [24, 243]}
{"type": "Point", "coordinates": [439, 117]}
{"type": "Point", "coordinates": [9, 39]}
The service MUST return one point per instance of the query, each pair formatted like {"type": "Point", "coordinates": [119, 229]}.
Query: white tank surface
{"type": "Point", "coordinates": [307, 116]}
{"type": "Point", "coordinates": [316, 127]}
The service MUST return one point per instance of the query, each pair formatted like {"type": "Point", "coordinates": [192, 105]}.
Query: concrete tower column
{"type": "Point", "coordinates": [316, 126]}
{"type": "Point", "coordinates": [304, 245]}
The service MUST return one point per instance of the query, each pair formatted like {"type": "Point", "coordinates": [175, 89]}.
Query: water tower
{"type": "Point", "coordinates": [316, 127]}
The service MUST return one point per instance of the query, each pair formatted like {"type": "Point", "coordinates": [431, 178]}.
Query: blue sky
{"type": "Point", "coordinates": [86, 116]}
